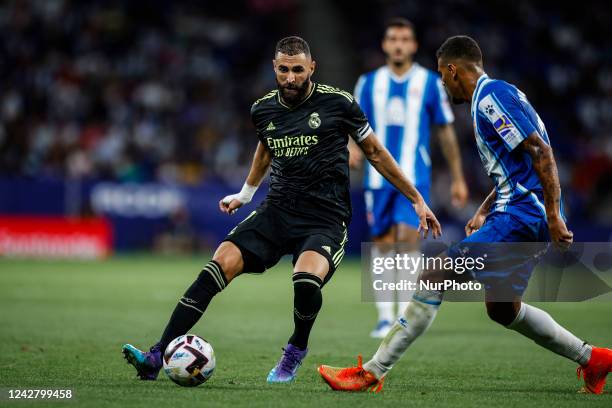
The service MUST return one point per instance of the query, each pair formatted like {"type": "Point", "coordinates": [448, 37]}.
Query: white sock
{"type": "Point", "coordinates": [385, 311]}
{"type": "Point", "coordinates": [417, 317]}
{"type": "Point", "coordinates": [540, 327]}
{"type": "Point", "coordinates": [384, 299]}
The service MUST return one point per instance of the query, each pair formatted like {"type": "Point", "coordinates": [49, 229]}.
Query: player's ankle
{"type": "Point", "coordinates": [375, 369]}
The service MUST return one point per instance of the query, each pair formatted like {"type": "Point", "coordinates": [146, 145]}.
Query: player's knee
{"type": "Point", "coordinates": [432, 275]}
{"type": "Point", "coordinates": [408, 235]}
{"type": "Point", "coordinates": [503, 313]}
{"type": "Point", "coordinates": [229, 258]}
{"type": "Point", "coordinates": [312, 263]}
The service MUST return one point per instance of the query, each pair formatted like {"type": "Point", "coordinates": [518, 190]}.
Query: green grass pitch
{"type": "Point", "coordinates": [62, 325]}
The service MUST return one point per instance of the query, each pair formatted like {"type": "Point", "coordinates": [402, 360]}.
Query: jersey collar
{"type": "Point", "coordinates": [479, 83]}
{"type": "Point", "coordinates": [405, 75]}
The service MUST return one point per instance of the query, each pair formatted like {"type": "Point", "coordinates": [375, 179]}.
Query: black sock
{"type": "Point", "coordinates": [307, 302]}
{"type": "Point", "coordinates": [194, 302]}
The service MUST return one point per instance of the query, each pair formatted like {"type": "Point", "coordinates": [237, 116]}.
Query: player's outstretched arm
{"type": "Point", "coordinates": [451, 152]}
{"type": "Point", "coordinates": [261, 162]}
{"type": "Point", "coordinates": [544, 164]}
{"type": "Point", "coordinates": [385, 164]}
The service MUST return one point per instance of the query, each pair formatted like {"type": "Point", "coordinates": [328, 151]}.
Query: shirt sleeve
{"type": "Point", "coordinates": [356, 122]}
{"type": "Point", "coordinates": [258, 130]}
{"type": "Point", "coordinates": [503, 110]}
{"type": "Point", "coordinates": [442, 112]}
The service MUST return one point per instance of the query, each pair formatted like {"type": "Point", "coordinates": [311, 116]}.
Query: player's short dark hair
{"type": "Point", "coordinates": [399, 22]}
{"type": "Point", "coordinates": [292, 46]}
{"type": "Point", "coordinates": [460, 47]}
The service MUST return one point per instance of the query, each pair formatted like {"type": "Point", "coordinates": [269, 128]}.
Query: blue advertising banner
{"type": "Point", "coordinates": [140, 213]}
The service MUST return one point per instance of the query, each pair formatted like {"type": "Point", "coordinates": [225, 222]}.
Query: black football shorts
{"type": "Point", "coordinates": [270, 232]}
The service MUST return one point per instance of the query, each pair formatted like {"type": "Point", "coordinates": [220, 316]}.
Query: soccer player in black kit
{"type": "Point", "coordinates": [303, 129]}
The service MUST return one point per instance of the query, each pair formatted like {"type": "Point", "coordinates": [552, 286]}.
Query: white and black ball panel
{"type": "Point", "coordinates": [189, 360]}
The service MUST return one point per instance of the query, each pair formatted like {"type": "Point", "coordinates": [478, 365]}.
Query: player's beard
{"type": "Point", "coordinates": [293, 97]}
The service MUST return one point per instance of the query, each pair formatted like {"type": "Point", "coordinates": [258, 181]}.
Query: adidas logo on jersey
{"type": "Point", "coordinates": [327, 248]}
{"type": "Point", "coordinates": [271, 126]}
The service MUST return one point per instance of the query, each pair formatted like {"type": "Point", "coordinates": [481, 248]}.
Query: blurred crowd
{"type": "Point", "coordinates": [133, 91]}
{"type": "Point", "coordinates": [160, 91]}
{"type": "Point", "coordinates": [560, 56]}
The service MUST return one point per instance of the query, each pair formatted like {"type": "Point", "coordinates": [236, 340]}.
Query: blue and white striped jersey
{"type": "Point", "coordinates": [503, 118]}
{"type": "Point", "coordinates": [401, 110]}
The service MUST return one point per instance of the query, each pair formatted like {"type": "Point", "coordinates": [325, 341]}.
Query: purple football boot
{"type": "Point", "coordinates": [147, 363]}
{"type": "Point", "coordinates": [286, 369]}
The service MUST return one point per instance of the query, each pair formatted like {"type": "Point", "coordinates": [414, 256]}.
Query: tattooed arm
{"type": "Point", "coordinates": [544, 164]}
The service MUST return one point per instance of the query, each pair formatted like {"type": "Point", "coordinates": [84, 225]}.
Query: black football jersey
{"type": "Point", "coordinates": [308, 143]}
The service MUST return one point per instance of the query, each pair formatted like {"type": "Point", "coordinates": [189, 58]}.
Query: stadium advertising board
{"type": "Point", "coordinates": [55, 237]}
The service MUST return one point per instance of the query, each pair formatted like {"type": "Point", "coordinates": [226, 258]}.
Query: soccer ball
{"type": "Point", "coordinates": [189, 360]}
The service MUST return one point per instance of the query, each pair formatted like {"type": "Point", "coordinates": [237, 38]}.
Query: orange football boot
{"type": "Point", "coordinates": [596, 370]}
{"type": "Point", "coordinates": [351, 378]}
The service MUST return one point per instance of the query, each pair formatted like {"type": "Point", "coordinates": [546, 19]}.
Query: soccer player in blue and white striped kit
{"type": "Point", "coordinates": [524, 206]}
{"type": "Point", "coordinates": [403, 101]}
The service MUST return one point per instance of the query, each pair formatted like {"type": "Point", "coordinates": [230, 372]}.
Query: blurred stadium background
{"type": "Point", "coordinates": [122, 124]}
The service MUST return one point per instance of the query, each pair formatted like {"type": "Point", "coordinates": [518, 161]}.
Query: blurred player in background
{"type": "Point", "coordinates": [524, 206]}
{"type": "Point", "coordinates": [403, 101]}
{"type": "Point", "coordinates": [303, 130]}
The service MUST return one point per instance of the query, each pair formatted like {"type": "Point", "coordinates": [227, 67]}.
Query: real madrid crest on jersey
{"type": "Point", "coordinates": [314, 121]}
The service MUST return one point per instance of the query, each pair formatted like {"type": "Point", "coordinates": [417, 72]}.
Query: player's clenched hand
{"type": "Point", "coordinates": [229, 204]}
{"type": "Point", "coordinates": [475, 223]}
{"type": "Point", "coordinates": [427, 220]}
{"type": "Point", "coordinates": [559, 234]}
